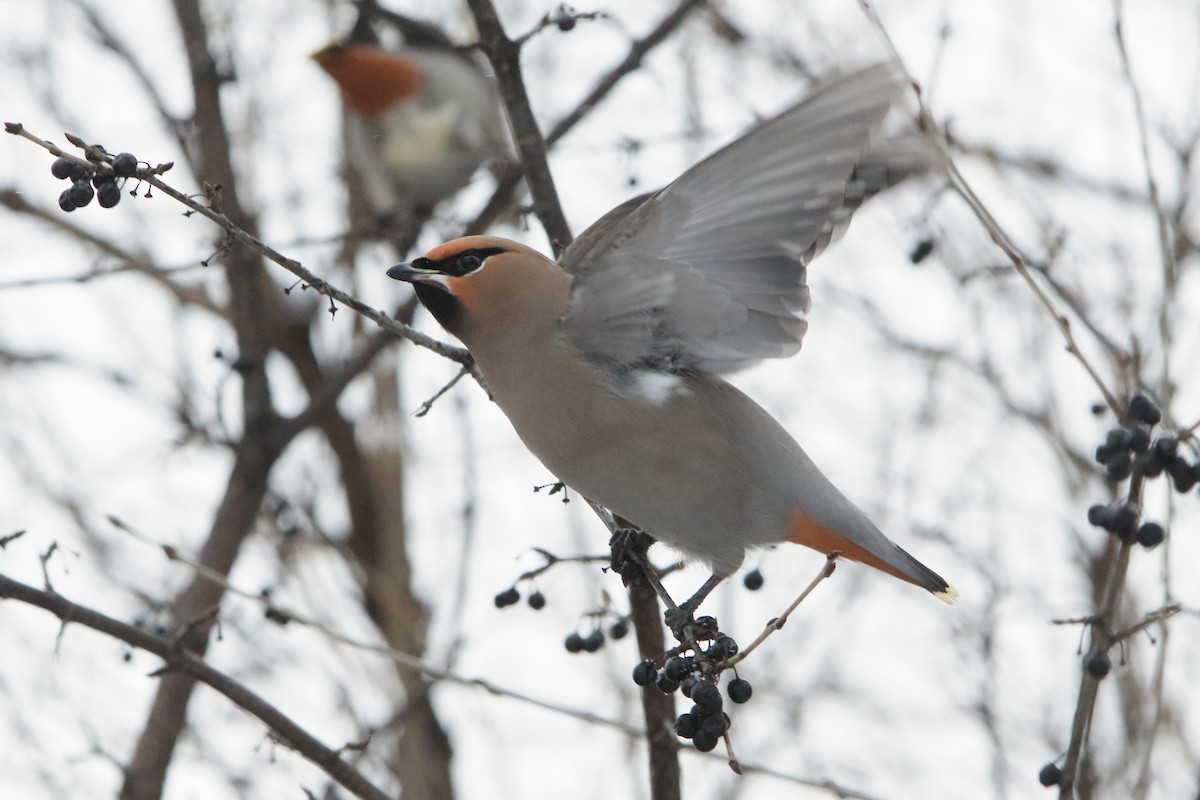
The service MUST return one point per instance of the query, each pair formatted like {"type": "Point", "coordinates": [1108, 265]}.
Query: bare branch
{"type": "Point", "coordinates": [776, 624]}
{"type": "Point", "coordinates": [505, 56]}
{"type": "Point", "coordinates": [997, 234]}
{"type": "Point", "coordinates": [637, 54]}
{"type": "Point", "coordinates": [180, 660]}
{"type": "Point", "coordinates": [238, 234]}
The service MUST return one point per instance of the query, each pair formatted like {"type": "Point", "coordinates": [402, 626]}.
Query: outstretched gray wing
{"type": "Point", "coordinates": [708, 274]}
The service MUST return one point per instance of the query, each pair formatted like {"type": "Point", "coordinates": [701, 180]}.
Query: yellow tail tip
{"type": "Point", "coordinates": [948, 595]}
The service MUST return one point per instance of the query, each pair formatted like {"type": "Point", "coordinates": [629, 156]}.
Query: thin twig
{"type": "Point", "coordinates": [406, 660]}
{"type": "Point", "coordinates": [1151, 618]}
{"type": "Point", "coordinates": [778, 622]}
{"type": "Point", "coordinates": [633, 59]}
{"type": "Point", "coordinates": [456, 354]}
{"type": "Point", "coordinates": [505, 56]}
{"type": "Point", "coordinates": [1166, 249]}
{"type": "Point", "coordinates": [428, 404]}
{"type": "Point", "coordinates": [290, 733]}
{"type": "Point", "coordinates": [553, 560]}
{"type": "Point", "coordinates": [179, 659]}
{"type": "Point", "coordinates": [1102, 639]}
{"type": "Point", "coordinates": [997, 234]}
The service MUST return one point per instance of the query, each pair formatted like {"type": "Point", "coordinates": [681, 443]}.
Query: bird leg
{"type": "Point", "coordinates": [629, 546]}
{"type": "Point", "coordinates": [629, 560]}
{"type": "Point", "coordinates": [680, 616]}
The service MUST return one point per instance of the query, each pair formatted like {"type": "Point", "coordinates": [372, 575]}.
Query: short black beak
{"type": "Point", "coordinates": [404, 272]}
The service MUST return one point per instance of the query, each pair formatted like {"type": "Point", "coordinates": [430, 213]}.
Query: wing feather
{"type": "Point", "coordinates": [708, 274]}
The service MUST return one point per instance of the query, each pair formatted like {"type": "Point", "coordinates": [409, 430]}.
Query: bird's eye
{"type": "Point", "coordinates": [469, 262]}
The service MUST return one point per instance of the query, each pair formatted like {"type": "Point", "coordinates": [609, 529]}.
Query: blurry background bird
{"type": "Point", "coordinates": [609, 362]}
{"type": "Point", "coordinates": [420, 118]}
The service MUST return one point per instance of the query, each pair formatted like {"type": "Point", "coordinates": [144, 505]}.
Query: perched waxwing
{"type": "Point", "coordinates": [609, 362]}
{"type": "Point", "coordinates": [419, 122]}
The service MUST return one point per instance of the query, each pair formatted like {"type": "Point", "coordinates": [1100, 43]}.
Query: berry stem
{"type": "Point", "coordinates": [1103, 638]}
{"type": "Point", "coordinates": [778, 622]}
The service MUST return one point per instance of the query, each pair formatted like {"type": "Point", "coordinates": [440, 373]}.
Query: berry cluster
{"type": "Point", "coordinates": [1127, 451]}
{"type": "Point", "coordinates": [575, 642]}
{"type": "Point", "coordinates": [695, 677]}
{"type": "Point", "coordinates": [93, 180]}
{"type": "Point", "coordinates": [510, 597]}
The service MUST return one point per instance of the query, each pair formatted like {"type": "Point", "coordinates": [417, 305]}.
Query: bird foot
{"type": "Point", "coordinates": [679, 618]}
{"type": "Point", "coordinates": [628, 558]}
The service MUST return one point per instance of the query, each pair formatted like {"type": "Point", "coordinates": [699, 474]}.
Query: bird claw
{"type": "Point", "coordinates": [679, 619]}
{"type": "Point", "coordinates": [628, 547]}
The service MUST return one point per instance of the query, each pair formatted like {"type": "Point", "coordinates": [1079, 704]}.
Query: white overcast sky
{"type": "Point", "coordinates": [872, 685]}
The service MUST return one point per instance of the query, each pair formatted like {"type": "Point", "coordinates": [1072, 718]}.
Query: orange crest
{"type": "Point", "coordinates": [372, 80]}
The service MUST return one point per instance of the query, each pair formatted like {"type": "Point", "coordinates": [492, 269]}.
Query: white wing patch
{"type": "Point", "coordinates": [656, 388]}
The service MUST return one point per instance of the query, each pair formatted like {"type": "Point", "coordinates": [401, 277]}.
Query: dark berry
{"type": "Point", "coordinates": [108, 195]}
{"type": "Point", "coordinates": [79, 173]}
{"type": "Point", "coordinates": [753, 580]}
{"type": "Point", "coordinates": [1097, 663]}
{"type": "Point", "coordinates": [1151, 534]}
{"type": "Point", "coordinates": [537, 601]}
{"type": "Point", "coordinates": [665, 684]}
{"type": "Point", "coordinates": [101, 178]}
{"type": "Point", "coordinates": [644, 673]}
{"type": "Point", "coordinates": [714, 725]}
{"type": "Point", "coordinates": [64, 201]}
{"type": "Point", "coordinates": [686, 726]}
{"type": "Point", "coordinates": [676, 668]}
{"type": "Point", "coordinates": [1103, 453]}
{"type": "Point", "coordinates": [1139, 439]}
{"type": "Point", "coordinates": [724, 647]}
{"type": "Point", "coordinates": [593, 641]}
{"type": "Point", "coordinates": [739, 690]}
{"type": "Point", "coordinates": [507, 598]}
{"type": "Point", "coordinates": [565, 22]}
{"type": "Point", "coordinates": [573, 643]}
{"type": "Point", "coordinates": [619, 630]}
{"type": "Point", "coordinates": [124, 164]}
{"type": "Point", "coordinates": [1118, 439]}
{"type": "Point", "coordinates": [1153, 466]}
{"type": "Point", "coordinates": [688, 683]}
{"type": "Point", "coordinates": [1050, 775]}
{"type": "Point", "coordinates": [707, 696]}
{"type": "Point", "coordinates": [81, 193]}
{"type": "Point", "coordinates": [704, 742]}
{"type": "Point", "coordinates": [1182, 474]}
{"type": "Point", "coordinates": [921, 250]}
{"type": "Point", "coordinates": [275, 615]}
{"type": "Point", "coordinates": [1143, 409]}
{"type": "Point", "coordinates": [62, 168]}
{"type": "Point", "coordinates": [1124, 519]}
{"type": "Point", "coordinates": [707, 624]}
{"type": "Point", "coordinates": [1100, 515]}
{"type": "Point", "coordinates": [1164, 447]}
{"type": "Point", "coordinates": [1119, 467]}
{"type": "Point", "coordinates": [1098, 408]}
